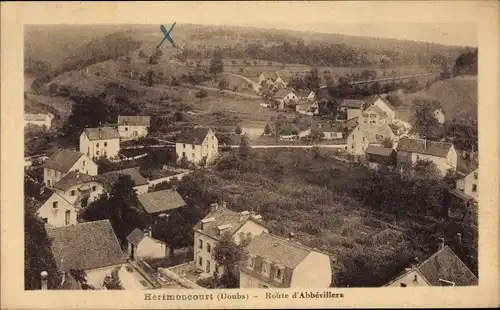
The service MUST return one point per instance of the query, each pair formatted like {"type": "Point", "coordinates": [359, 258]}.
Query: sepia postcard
{"type": "Point", "coordinates": [271, 154]}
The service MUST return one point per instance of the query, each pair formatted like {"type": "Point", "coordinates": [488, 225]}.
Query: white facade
{"type": "Point", "coordinates": [75, 193]}
{"type": "Point", "coordinates": [84, 164]}
{"type": "Point", "coordinates": [132, 132]}
{"type": "Point", "coordinates": [314, 271]}
{"type": "Point", "coordinates": [439, 115]}
{"type": "Point", "coordinates": [470, 184]}
{"type": "Point", "coordinates": [148, 248]}
{"type": "Point", "coordinates": [57, 212]}
{"type": "Point", "coordinates": [96, 148]}
{"type": "Point", "coordinates": [43, 120]}
{"type": "Point", "coordinates": [195, 152]}
{"type": "Point", "coordinates": [204, 246]}
{"type": "Point", "coordinates": [385, 107]}
{"type": "Point", "coordinates": [247, 281]}
{"type": "Point", "coordinates": [332, 135]}
{"type": "Point", "coordinates": [95, 277]}
{"type": "Point", "coordinates": [357, 142]}
{"type": "Point", "coordinates": [371, 116]}
{"type": "Point", "coordinates": [352, 113]}
{"type": "Point", "coordinates": [443, 163]}
{"type": "Point", "coordinates": [141, 189]}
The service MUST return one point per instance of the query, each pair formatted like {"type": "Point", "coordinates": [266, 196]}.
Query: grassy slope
{"type": "Point", "coordinates": [458, 97]}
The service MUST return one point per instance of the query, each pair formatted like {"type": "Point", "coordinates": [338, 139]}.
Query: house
{"type": "Point", "coordinates": [276, 262]}
{"type": "Point", "coordinates": [133, 127]}
{"type": "Point", "coordinates": [376, 156]}
{"type": "Point", "coordinates": [102, 141]}
{"type": "Point", "coordinates": [443, 268]}
{"type": "Point", "coordinates": [306, 95]}
{"type": "Point", "coordinates": [57, 212]}
{"type": "Point", "coordinates": [42, 120]}
{"type": "Point", "coordinates": [443, 154]}
{"type": "Point", "coordinates": [141, 185]}
{"type": "Point", "coordinates": [364, 135]}
{"type": "Point", "coordinates": [141, 245]}
{"type": "Point", "coordinates": [79, 189]}
{"type": "Point", "coordinates": [62, 162]}
{"type": "Point", "coordinates": [280, 83]}
{"type": "Point", "coordinates": [351, 107]}
{"type": "Point", "coordinates": [331, 130]}
{"type": "Point", "coordinates": [262, 78]}
{"type": "Point", "coordinates": [469, 185]}
{"type": "Point", "coordinates": [91, 247]}
{"type": "Point", "coordinates": [439, 115]}
{"type": "Point", "coordinates": [197, 143]}
{"type": "Point", "coordinates": [220, 221]}
{"type": "Point", "coordinates": [374, 115]}
{"type": "Point", "coordinates": [286, 95]}
{"type": "Point", "coordinates": [384, 105]}
{"type": "Point", "coordinates": [161, 203]}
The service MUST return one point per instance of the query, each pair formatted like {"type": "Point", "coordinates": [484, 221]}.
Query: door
{"type": "Point", "coordinates": [67, 217]}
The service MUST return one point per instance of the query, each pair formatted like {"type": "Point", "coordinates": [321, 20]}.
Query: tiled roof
{"type": "Point", "coordinates": [377, 150]}
{"type": "Point", "coordinates": [375, 133]}
{"type": "Point", "coordinates": [134, 120]}
{"type": "Point", "coordinates": [193, 135]}
{"type": "Point", "coordinates": [420, 146]}
{"type": "Point", "coordinates": [377, 110]}
{"type": "Point", "coordinates": [62, 160]}
{"type": "Point", "coordinates": [278, 250]}
{"type": "Point", "coordinates": [302, 93]}
{"type": "Point", "coordinates": [223, 216]}
{"type": "Point", "coordinates": [110, 178]}
{"type": "Point", "coordinates": [102, 133]}
{"type": "Point", "coordinates": [351, 122]}
{"type": "Point", "coordinates": [85, 246]}
{"type": "Point", "coordinates": [352, 103]}
{"type": "Point", "coordinates": [161, 201]}
{"type": "Point", "coordinates": [445, 265]}
{"type": "Point", "coordinates": [136, 236]}
{"type": "Point", "coordinates": [73, 178]}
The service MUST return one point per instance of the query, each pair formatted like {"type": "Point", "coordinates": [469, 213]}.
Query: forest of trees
{"type": "Point", "coordinates": [466, 63]}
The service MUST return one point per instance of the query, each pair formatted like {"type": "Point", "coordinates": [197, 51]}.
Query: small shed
{"type": "Point", "coordinates": [375, 156]}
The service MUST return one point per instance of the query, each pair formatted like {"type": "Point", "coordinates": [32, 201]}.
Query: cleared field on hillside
{"type": "Point", "coordinates": [458, 97]}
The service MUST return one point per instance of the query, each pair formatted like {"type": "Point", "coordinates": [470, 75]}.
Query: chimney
{"type": "Point", "coordinates": [441, 243]}
{"type": "Point", "coordinates": [459, 238]}
{"type": "Point", "coordinates": [44, 279]}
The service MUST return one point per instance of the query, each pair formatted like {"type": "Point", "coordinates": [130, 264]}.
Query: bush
{"type": "Point", "coordinates": [310, 228]}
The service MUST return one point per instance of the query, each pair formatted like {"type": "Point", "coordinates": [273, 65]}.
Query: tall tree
{"type": "Point", "coordinates": [88, 111]}
{"type": "Point", "coordinates": [37, 252]}
{"type": "Point", "coordinates": [120, 207]}
{"type": "Point", "coordinates": [216, 64]}
{"type": "Point", "coordinates": [426, 125]}
{"type": "Point", "coordinates": [245, 149]}
{"type": "Point", "coordinates": [112, 281]}
{"type": "Point", "coordinates": [228, 255]}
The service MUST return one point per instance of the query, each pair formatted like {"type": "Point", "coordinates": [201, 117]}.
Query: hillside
{"type": "Point", "coordinates": [457, 95]}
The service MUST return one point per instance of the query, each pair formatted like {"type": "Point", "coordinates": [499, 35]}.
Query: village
{"type": "Point", "coordinates": [192, 202]}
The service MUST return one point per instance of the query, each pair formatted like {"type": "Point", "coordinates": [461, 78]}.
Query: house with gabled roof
{"type": "Point", "coordinates": [374, 115]}
{"type": "Point", "coordinates": [221, 220]}
{"type": "Point", "coordinates": [160, 203]}
{"type": "Point", "coordinates": [78, 188]}
{"type": "Point", "coordinates": [364, 135]}
{"type": "Point", "coordinates": [63, 161]}
{"type": "Point", "coordinates": [194, 144]}
{"type": "Point", "coordinates": [469, 185]}
{"type": "Point", "coordinates": [352, 107]}
{"type": "Point", "coordinates": [100, 142]}
{"type": "Point", "coordinates": [276, 262]}
{"type": "Point", "coordinates": [143, 246]}
{"type": "Point", "coordinates": [91, 247]}
{"type": "Point", "coordinates": [443, 154]}
{"type": "Point", "coordinates": [42, 120]}
{"type": "Point", "coordinates": [377, 156]}
{"type": "Point", "coordinates": [383, 104]}
{"type": "Point", "coordinates": [141, 184]}
{"type": "Point", "coordinates": [57, 211]}
{"type": "Point", "coordinates": [133, 127]}
{"type": "Point", "coordinates": [443, 268]}
{"type": "Point", "coordinates": [331, 129]}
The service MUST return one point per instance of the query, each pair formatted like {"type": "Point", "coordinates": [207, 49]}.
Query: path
{"type": "Point", "coordinates": [245, 95]}
{"type": "Point", "coordinates": [404, 77]}
{"type": "Point", "coordinates": [255, 85]}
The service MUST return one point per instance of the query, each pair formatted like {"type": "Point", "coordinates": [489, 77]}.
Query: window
{"type": "Point", "coordinates": [418, 157]}
{"type": "Point", "coordinates": [474, 188]}
{"type": "Point", "coordinates": [45, 220]}
{"type": "Point", "coordinates": [209, 248]}
{"type": "Point", "coordinates": [105, 144]}
{"type": "Point", "coordinates": [249, 282]}
{"type": "Point", "coordinates": [72, 192]}
{"type": "Point", "coordinates": [200, 261]}
{"type": "Point", "coordinates": [97, 144]}
{"type": "Point", "coordinates": [279, 274]}
{"type": "Point", "coordinates": [363, 139]}
{"type": "Point", "coordinates": [193, 155]}
{"type": "Point", "coordinates": [94, 188]}
{"type": "Point", "coordinates": [184, 145]}
{"type": "Point", "coordinates": [208, 266]}
{"type": "Point", "coordinates": [48, 182]}
{"type": "Point", "coordinates": [83, 163]}
{"type": "Point", "coordinates": [200, 244]}
{"type": "Point", "coordinates": [265, 269]}
{"type": "Point", "coordinates": [97, 153]}
{"type": "Point", "coordinates": [475, 175]}
{"type": "Point", "coordinates": [251, 262]}
{"type": "Point", "coordinates": [126, 128]}
{"type": "Point", "coordinates": [54, 204]}
{"type": "Point", "coordinates": [403, 285]}
{"type": "Point", "coordinates": [67, 217]}
{"type": "Point", "coordinates": [264, 286]}
{"type": "Point", "coordinates": [193, 146]}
